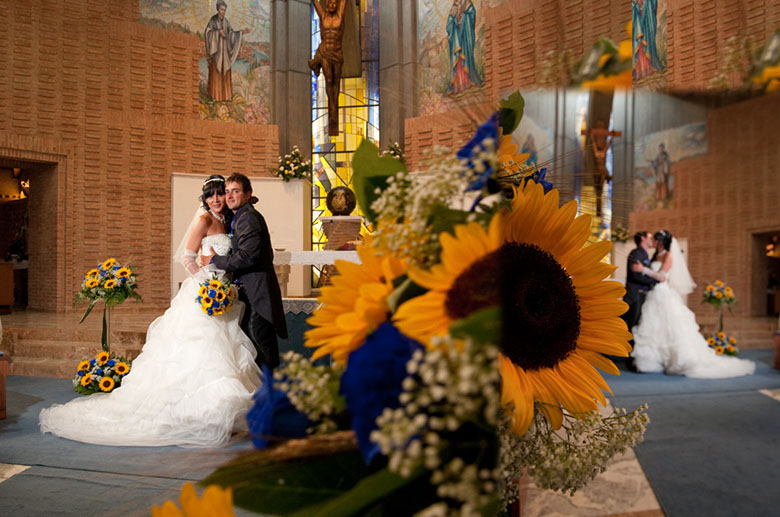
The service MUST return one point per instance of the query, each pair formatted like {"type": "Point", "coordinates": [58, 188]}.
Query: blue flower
{"type": "Point", "coordinates": [210, 311]}
{"type": "Point", "coordinates": [538, 177]}
{"type": "Point", "coordinates": [81, 373]}
{"type": "Point", "coordinates": [487, 130]}
{"type": "Point", "coordinates": [110, 362]}
{"type": "Point", "coordinates": [99, 372]}
{"type": "Point", "coordinates": [273, 415]}
{"type": "Point", "coordinates": [212, 293]}
{"type": "Point", "coordinates": [92, 362]}
{"type": "Point", "coordinates": [372, 381]}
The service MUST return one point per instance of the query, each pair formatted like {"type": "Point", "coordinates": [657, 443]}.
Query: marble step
{"type": "Point", "coordinates": [43, 367]}
{"type": "Point", "coordinates": [72, 350]}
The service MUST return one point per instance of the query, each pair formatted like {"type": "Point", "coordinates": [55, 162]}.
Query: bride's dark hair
{"type": "Point", "coordinates": [665, 237]}
{"type": "Point", "coordinates": [215, 184]}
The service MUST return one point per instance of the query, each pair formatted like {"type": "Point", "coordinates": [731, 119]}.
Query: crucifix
{"type": "Point", "coordinates": [600, 140]}
{"type": "Point", "coordinates": [330, 55]}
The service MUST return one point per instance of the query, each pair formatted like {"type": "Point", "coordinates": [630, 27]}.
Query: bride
{"type": "Point", "coordinates": [193, 382]}
{"type": "Point", "coordinates": [667, 338]}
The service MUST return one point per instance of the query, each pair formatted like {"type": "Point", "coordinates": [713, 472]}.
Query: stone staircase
{"type": "Point", "coordinates": [50, 352]}
{"type": "Point", "coordinates": [751, 332]}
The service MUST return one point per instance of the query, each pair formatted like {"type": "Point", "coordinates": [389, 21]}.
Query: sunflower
{"type": "Point", "coordinates": [203, 291]}
{"type": "Point", "coordinates": [121, 368]}
{"type": "Point", "coordinates": [718, 295]}
{"type": "Point", "coordinates": [86, 380]}
{"type": "Point", "coordinates": [110, 283]}
{"type": "Point", "coordinates": [730, 349]}
{"type": "Point", "coordinates": [123, 272]}
{"type": "Point", "coordinates": [109, 263]}
{"type": "Point", "coordinates": [217, 312]}
{"type": "Point", "coordinates": [354, 304]}
{"type": "Point", "coordinates": [510, 162]}
{"type": "Point", "coordinates": [206, 301]}
{"type": "Point", "coordinates": [84, 365]}
{"type": "Point", "coordinates": [733, 340]}
{"type": "Point", "coordinates": [102, 357]}
{"type": "Point", "coordinates": [719, 350]}
{"type": "Point", "coordinates": [91, 283]}
{"type": "Point", "coordinates": [721, 335]}
{"type": "Point", "coordinates": [220, 296]}
{"type": "Point", "coordinates": [710, 288]}
{"type": "Point", "coordinates": [718, 283]}
{"type": "Point", "coordinates": [216, 502]}
{"type": "Point", "coordinates": [93, 272]}
{"type": "Point", "coordinates": [710, 340]}
{"type": "Point", "coordinates": [215, 284]}
{"type": "Point", "coordinates": [558, 314]}
{"type": "Point", "coordinates": [106, 384]}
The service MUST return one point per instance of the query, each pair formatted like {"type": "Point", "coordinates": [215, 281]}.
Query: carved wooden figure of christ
{"type": "Point", "coordinates": [600, 140]}
{"type": "Point", "coordinates": [330, 55]}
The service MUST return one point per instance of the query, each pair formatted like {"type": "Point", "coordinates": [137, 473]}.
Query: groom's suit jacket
{"type": "Point", "coordinates": [637, 282]}
{"type": "Point", "coordinates": [251, 261]}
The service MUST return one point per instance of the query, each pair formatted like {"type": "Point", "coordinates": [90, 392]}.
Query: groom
{"type": "Point", "coordinates": [251, 260]}
{"type": "Point", "coordinates": [637, 284]}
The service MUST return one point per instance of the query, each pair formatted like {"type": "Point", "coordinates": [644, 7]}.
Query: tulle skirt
{"type": "Point", "coordinates": [667, 339]}
{"type": "Point", "coordinates": [191, 385]}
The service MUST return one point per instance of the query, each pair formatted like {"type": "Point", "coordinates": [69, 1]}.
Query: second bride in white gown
{"type": "Point", "coordinates": [667, 338]}
{"type": "Point", "coordinates": [193, 382]}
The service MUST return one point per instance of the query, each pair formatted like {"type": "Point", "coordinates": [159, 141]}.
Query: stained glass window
{"type": "Point", "coordinates": [358, 118]}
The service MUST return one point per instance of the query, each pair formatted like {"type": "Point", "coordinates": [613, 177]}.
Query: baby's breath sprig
{"type": "Point", "coordinates": [567, 459]}
{"type": "Point", "coordinates": [452, 392]}
{"type": "Point", "coordinates": [313, 390]}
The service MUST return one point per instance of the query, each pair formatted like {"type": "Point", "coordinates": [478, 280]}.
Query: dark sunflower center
{"type": "Point", "coordinates": [540, 309]}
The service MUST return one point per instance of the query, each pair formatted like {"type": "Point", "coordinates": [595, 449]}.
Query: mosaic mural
{"type": "Point", "coordinates": [649, 40]}
{"type": "Point", "coordinates": [235, 47]}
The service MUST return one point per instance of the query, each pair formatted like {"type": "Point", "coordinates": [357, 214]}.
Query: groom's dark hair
{"type": "Point", "coordinates": [637, 236]}
{"type": "Point", "coordinates": [242, 180]}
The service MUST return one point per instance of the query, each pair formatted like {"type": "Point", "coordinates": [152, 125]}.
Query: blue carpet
{"type": "Point", "coordinates": [712, 447]}
{"type": "Point", "coordinates": [73, 478]}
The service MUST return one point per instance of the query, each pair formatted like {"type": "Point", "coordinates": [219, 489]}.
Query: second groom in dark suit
{"type": "Point", "coordinates": [251, 261]}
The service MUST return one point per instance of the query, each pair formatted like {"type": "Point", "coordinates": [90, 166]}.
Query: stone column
{"type": "Point", "coordinates": [291, 94]}
{"type": "Point", "coordinates": [397, 69]}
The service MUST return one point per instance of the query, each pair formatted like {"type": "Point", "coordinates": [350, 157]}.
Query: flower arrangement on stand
{"type": "Point", "coordinates": [293, 166]}
{"type": "Point", "coordinates": [215, 295]}
{"type": "Point", "coordinates": [464, 346]}
{"type": "Point", "coordinates": [394, 151]}
{"type": "Point", "coordinates": [113, 284]}
{"type": "Point", "coordinates": [619, 233]}
{"type": "Point", "coordinates": [719, 294]}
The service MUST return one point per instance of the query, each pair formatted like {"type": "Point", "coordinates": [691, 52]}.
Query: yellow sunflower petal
{"type": "Point", "coordinates": [517, 390]}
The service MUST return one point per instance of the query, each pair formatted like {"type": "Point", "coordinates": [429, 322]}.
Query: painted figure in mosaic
{"type": "Point", "coordinates": [222, 47]}
{"type": "Point", "coordinates": [645, 24]}
{"type": "Point", "coordinates": [662, 170]}
{"type": "Point", "coordinates": [330, 55]}
{"type": "Point", "coordinates": [461, 39]}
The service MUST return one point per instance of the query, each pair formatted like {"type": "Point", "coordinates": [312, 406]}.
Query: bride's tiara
{"type": "Point", "coordinates": [213, 179]}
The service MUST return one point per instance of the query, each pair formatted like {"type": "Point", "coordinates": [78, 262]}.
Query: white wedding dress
{"type": "Point", "coordinates": [667, 338]}
{"type": "Point", "coordinates": [191, 385]}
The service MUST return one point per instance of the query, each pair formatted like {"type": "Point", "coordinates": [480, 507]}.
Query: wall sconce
{"type": "Point", "coordinates": [17, 172]}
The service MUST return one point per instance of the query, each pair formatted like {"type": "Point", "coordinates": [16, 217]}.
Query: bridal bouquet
{"type": "Point", "coordinates": [722, 343]}
{"type": "Point", "coordinates": [215, 296]}
{"type": "Point", "coordinates": [112, 283]}
{"type": "Point", "coordinates": [103, 373]}
{"type": "Point", "coordinates": [293, 166]}
{"type": "Point", "coordinates": [464, 346]}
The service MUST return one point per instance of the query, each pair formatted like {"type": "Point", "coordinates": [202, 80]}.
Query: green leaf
{"type": "Point", "coordinates": [405, 291]}
{"type": "Point", "coordinates": [371, 172]}
{"type": "Point", "coordinates": [483, 326]}
{"type": "Point", "coordinates": [88, 310]}
{"type": "Point", "coordinates": [445, 219]}
{"type": "Point", "coordinates": [263, 484]}
{"type": "Point", "coordinates": [511, 112]}
{"type": "Point", "coordinates": [364, 495]}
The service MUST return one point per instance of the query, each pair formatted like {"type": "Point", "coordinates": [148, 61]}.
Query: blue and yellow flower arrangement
{"type": "Point", "coordinates": [215, 296]}
{"type": "Point", "coordinates": [471, 331]}
{"type": "Point", "coordinates": [723, 344]}
{"type": "Point", "coordinates": [102, 374]}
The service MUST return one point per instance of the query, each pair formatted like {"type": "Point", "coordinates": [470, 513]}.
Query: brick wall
{"type": "Point", "coordinates": [722, 199]}
{"type": "Point", "coordinates": [518, 34]}
{"type": "Point", "coordinates": [699, 31]}
{"type": "Point", "coordinates": [112, 105]}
